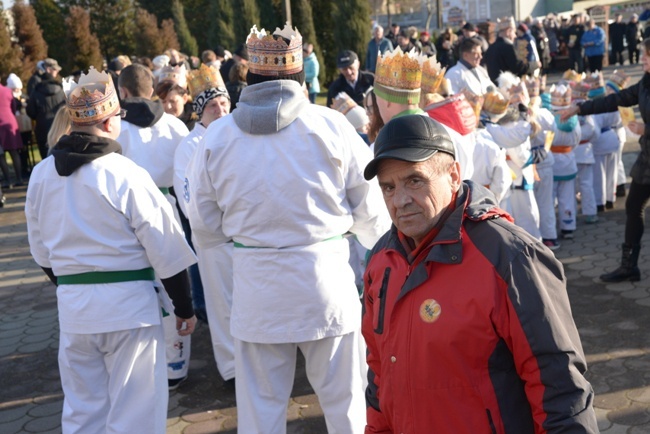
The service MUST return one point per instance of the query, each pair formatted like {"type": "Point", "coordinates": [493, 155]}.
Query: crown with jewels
{"type": "Point", "coordinates": [571, 75]}
{"type": "Point", "coordinates": [474, 100]}
{"type": "Point", "coordinates": [92, 100]}
{"type": "Point", "coordinates": [579, 91]}
{"type": "Point", "coordinates": [432, 75]}
{"type": "Point", "coordinates": [176, 74]}
{"type": "Point", "coordinates": [619, 78]}
{"type": "Point", "coordinates": [532, 85]}
{"type": "Point", "coordinates": [204, 78]}
{"type": "Point", "coordinates": [495, 103]}
{"type": "Point", "coordinates": [343, 103]}
{"type": "Point", "coordinates": [595, 79]}
{"type": "Point", "coordinates": [398, 76]}
{"type": "Point", "coordinates": [272, 55]}
{"type": "Point", "coordinates": [560, 96]}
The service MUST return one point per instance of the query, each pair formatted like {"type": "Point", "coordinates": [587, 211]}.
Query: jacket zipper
{"type": "Point", "coordinates": [382, 301]}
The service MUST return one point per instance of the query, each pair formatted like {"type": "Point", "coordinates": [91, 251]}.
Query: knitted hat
{"type": "Point", "coordinates": [92, 100]}
{"type": "Point", "coordinates": [205, 84]}
{"type": "Point", "coordinates": [13, 82]}
{"type": "Point", "coordinates": [279, 54]}
{"type": "Point", "coordinates": [398, 76]}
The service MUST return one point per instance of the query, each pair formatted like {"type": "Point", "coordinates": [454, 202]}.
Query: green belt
{"type": "Point", "coordinates": [241, 246]}
{"type": "Point", "coordinates": [164, 190]}
{"type": "Point", "coordinates": [106, 277]}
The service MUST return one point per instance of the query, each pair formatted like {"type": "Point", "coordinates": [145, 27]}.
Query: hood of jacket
{"type": "Point", "coordinates": [142, 112]}
{"type": "Point", "coordinates": [73, 151]}
{"type": "Point", "coordinates": [48, 85]}
{"type": "Point", "coordinates": [266, 108]}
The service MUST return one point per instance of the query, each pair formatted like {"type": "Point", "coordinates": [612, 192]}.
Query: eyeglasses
{"type": "Point", "coordinates": [121, 113]}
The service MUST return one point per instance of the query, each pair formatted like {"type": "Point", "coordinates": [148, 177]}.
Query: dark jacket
{"type": "Point", "coordinates": [616, 35]}
{"type": "Point", "coordinates": [638, 93]}
{"type": "Point", "coordinates": [574, 33]}
{"type": "Point", "coordinates": [633, 34]}
{"type": "Point", "coordinates": [364, 81]}
{"type": "Point", "coordinates": [44, 102]}
{"type": "Point", "coordinates": [234, 90]}
{"type": "Point", "coordinates": [474, 334]}
{"type": "Point", "coordinates": [501, 57]}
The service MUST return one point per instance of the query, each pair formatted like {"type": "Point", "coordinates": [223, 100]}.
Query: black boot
{"type": "Point", "coordinates": [620, 190]}
{"type": "Point", "coordinates": [628, 269]}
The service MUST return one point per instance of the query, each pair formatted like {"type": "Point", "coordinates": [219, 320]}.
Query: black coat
{"type": "Point", "coordinates": [638, 93]}
{"type": "Point", "coordinates": [44, 102]}
{"type": "Point", "coordinates": [616, 35]}
{"type": "Point", "coordinates": [364, 81]}
{"type": "Point", "coordinates": [633, 34]}
{"type": "Point", "coordinates": [501, 57]}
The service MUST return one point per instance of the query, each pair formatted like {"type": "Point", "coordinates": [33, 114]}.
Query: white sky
{"type": "Point", "coordinates": [7, 3]}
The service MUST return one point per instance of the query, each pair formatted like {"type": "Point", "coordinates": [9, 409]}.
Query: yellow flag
{"type": "Point", "coordinates": [627, 115]}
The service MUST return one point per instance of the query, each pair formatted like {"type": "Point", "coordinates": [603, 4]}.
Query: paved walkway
{"type": "Point", "coordinates": [613, 320]}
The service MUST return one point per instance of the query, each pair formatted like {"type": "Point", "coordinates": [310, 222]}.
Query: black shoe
{"type": "Point", "coordinates": [620, 190]}
{"type": "Point", "coordinates": [609, 205]}
{"type": "Point", "coordinates": [628, 269]}
{"type": "Point", "coordinates": [173, 384]}
{"type": "Point", "coordinates": [600, 208]}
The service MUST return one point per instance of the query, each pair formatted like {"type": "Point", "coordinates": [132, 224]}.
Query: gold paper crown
{"type": "Point", "coordinates": [495, 103]}
{"type": "Point", "coordinates": [476, 101]}
{"type": "Point", "coordinates": [560, 96]}
{"type": "Point", "coordinates": [206, 77]}
{"type": "Point", "coordinates": [343, 103]}
{"type": "Point", "coordinates": [619, 78]}
{"type": "Point", "coordinates": [92, 100]}
{"type": "Point", "coordinates": [432, 75]}
{"type": "Point", "coordinates": [176, 74]}
{"type": "Point", "coordinates": [271, 55]}
{"type": "Point", "coordinates": [571, 75]}
{"type": "Point", "coordinates": [533, 85]}
{"type": "Point", "coordinates": [579, 91]}
{"type": "Point", "coordinates": [595, 79]}
{"type": "Point", "coordinates": [398, 76]}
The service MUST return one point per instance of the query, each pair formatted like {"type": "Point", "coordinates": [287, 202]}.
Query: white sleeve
{"type": "Point", "coordinates": [182, 157]}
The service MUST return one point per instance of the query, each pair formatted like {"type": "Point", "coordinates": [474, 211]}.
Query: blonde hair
{"type": "Point", "coordinates": [60, 127]}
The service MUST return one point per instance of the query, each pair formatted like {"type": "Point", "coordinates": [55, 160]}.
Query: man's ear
{"type": "Point", "coordinates": [123, 92]}
{"type": "Point", "coordinates": [150, 93]}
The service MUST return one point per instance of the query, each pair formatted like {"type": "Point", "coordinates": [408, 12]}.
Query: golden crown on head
{"type": "Point", "coordinates": [92, 100]}
{"type": "Point", "coordinates": [476, 101]}
{"type": "Point", "coordinates": [343, 103]}
{"type": "Point", "coordinates": [619, 78]}
{"type": "Point", "coordinates": [432, 75]}
{"type": "Point", "coordinates": [494, 102]}
{"type": "Point", "coordinates": [571, 75]}
{"type": "Point", "coordinates": [400, 70]}
{"type": "Point", "coordinates": [595, 79]}
{"type": "Point", "coordinates": [272, 55]}
{"type": "Point", "coordinates": [560, 96]}
{"type": "Point", "coordinates": [579, 91]}
{"type": "Point", "coordinates": [533, 85]}
{"type": "Point", "coordinates": [204, 78]}
{"type": "Point", "coordinates": [176, 74]}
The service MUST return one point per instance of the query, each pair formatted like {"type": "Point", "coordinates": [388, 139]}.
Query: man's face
{"type": "Point", "coordinates": [424, 37]}
{"type": "Point", "coordinates": [379, 33]}
{"type": "Point", "coordinates": [511, 33]}
{"type": "Point", "coordinates": [351, 72]}
{"type": "Point", "coordinates": [402, 41]}
{"type": "Point", "coordinates": [52, 71]}
{"type": "Point", "coordinates": [416, 195]}
{"type": "Point", "coordinates": [473, 57]}
{"type": "Point", "coordinates": [468, 33]}
{"type": "Point", "coordinates": [215, 108]}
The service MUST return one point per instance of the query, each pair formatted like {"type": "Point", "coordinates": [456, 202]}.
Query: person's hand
{"type": "Point", "coordinates": [566, 114]}
{"type": "Point", "coordinates": [185, 326]}
{"type": "Point", "coordinates": [636, 127]}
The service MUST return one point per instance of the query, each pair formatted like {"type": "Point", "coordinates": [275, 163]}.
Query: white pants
{"type": "Point", "coordinates": [565, 193]}
{"type": "Point", "coordinates": [621, 178]}
{"type": "Point", "coordinates": [114, 382]}
{"type": "Point", "coordinates": [215, 265]}
{"type": "Point", "coordinates": [585, 181]}
{"type": "Point", "coordinates": [605, 178]}
{"type": "Point", "coordinates": [265, 374]}
{"type": "Point", "coordinates": [525, 211]}
{"type": "Point", "coordinates": [545, 203]}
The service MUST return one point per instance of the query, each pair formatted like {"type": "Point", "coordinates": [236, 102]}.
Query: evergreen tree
{"type": "Point", "coordinates": [30, 37]}
{"type": "Point", "coordinates": [51, 19]}
{"type": "Point", "coordinates": [301, 16]}
{"type": "Point", "coordinates": [325, 13]}
{"type": "Point", "coordinates": [148, 38]}
{"type": "Point", "coordinates": [354, 35]}
{"type": "Point", "coordinates": [11, 56]}
{"type": "Point", "coordinates": [271, 14]}
{"type": "Point", "coordinates": [168, 37]}
{"type": "Point", "coordinates": [187, 41]}
{"type": "Point", "coordinates": [161, 9]}
{"type": "Point", "coordinates": [83, 44]}
{"type": "Point", "coordinates": [198, 21]}
{"type": "Point", "coordinates": [248, 14]}
{"type": "Point", "coordinates": [221, 31]}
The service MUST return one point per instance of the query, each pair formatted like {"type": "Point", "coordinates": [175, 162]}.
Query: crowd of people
{"type": "Point", "coordinates": [231, 197]}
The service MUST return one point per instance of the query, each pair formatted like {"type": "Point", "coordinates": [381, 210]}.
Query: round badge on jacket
{"type": "Point", "coordinates": [430, 310]}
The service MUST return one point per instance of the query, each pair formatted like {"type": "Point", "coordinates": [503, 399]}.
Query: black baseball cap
{"type": "Point", "coordinates": [346, 58]}
{"type": "Point", "coordinates": [411, 138]}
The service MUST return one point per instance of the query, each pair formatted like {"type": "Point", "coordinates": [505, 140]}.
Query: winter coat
{"type": "Point", "coordinates": [44, 102]}
{"type": "Point", "coordinates": [501, 56]}
{"type": "Point", "coordinates": [638, 93]}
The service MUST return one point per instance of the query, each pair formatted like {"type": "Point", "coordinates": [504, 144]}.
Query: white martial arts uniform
{"type": "Point", "coordinates": [606, 148]}
{"type": "Point", "coordinates": [544, 185]}
{"type": "Point", "coordinates": [585, 160]}
{"type": "Point", "coordinates": [514, 137]}
{"type": "Point", "coordinates": [215, 266]}
{"type": "Point", "coordinates": [461, 77]}
{"type": "Point", "coordinates": [283, 179]}
{"type": "Point", "coordinates": [490, 167]}
{"type": "Point", "coordinates": [108, 215]}
{"type": "Point", "coordinates": [621, 176]}
{"type": "Point", "coordinates": [152, 148]}
{"type": "Point", "coordinates": [565, 171]}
